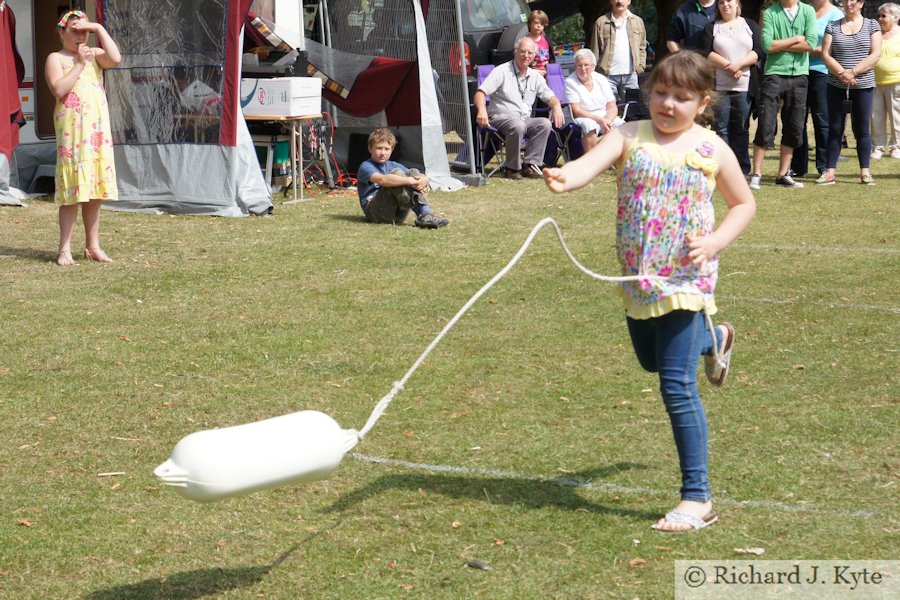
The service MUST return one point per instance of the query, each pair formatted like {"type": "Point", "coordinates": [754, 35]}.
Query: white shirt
{"type": "Point", "coordinates": [621, 59]}
{"type": "Point", "coordinates": [593, 101]}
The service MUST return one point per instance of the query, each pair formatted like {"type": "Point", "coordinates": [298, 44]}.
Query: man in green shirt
{"type": "Point", "coordinates": [788, 36]}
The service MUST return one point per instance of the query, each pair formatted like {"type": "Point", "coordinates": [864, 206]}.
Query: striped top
{"type": "Point", "coordinates": [848, 50]}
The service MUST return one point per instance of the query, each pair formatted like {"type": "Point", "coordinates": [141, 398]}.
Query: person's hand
{"type": "Point", "coordinates": [702, 250]}
{"type": "Point", "coordinates": [737, 73]}
{"type": "Point", "coordinates": [420, 182]}
{"type": "Point", "coordinates": [847, 77]}
{"type": "Point", "coordinates": [85, 54]}
{"type": "Point", "coordinates": [557, 116]}
{"type": "Point", "coordinates": [481, 118]}
{"type": "Point", "coordinates": [554, 179]}
{"type": "Point", "coordinates": [605, 124]}
{"type": "Point", "coordinates": [85, 25]}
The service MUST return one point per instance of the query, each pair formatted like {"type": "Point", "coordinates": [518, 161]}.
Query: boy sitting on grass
{"type": "Point", "coordinates": [388, 190]}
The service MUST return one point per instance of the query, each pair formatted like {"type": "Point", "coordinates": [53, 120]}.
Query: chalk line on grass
{"type": "Point", "coordinates": [586, 484]}
{"type": "Point", "coordinates": [814, 248]}
{"type": "Point", "coordinates": [825, 303]}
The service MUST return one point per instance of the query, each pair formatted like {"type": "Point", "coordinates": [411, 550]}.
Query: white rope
{"type": "Point", "coordinates": [398, 385]}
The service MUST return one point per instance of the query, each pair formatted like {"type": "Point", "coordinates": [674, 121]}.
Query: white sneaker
{"type": "Point", "coordinates": [878, 152]}
{"type": "Point", "coordinates": [754, 181]}
{"type": "Point", "coordinates": [895, 153]}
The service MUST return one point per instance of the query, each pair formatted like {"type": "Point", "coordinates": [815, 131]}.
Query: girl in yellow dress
{"type": "Point", "coordinates": [85, 172]}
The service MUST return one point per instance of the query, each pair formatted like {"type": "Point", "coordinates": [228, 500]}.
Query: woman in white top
{"type": "Point", "coordinates": [591, 99]}
{"type": "Point", "coordinates": [734, 47]}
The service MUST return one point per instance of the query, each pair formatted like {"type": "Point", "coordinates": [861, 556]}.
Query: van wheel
{"type": "Point", "coordinates": [507, 44]}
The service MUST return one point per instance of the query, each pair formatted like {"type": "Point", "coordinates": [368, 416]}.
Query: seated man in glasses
{"type": "Point", "coordinates": [513, 88]}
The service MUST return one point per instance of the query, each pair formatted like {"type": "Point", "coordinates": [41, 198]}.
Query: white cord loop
{"type": "Point", "coordinates": [398, 385]}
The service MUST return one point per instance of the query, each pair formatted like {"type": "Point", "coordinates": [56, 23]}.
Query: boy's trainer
{"type": "Point", "coordinates": [430, 221]}
{"type": "Point", "coordinates": [787, 181]}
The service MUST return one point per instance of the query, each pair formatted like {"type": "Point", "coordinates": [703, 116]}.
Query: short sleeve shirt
{"type": "Point", "coordinates": [848, 50]}
{"type": "Point", "coordinates": [593, 101]}
{"type": "Point", "coordinates": [364, 186]}
{"type": "Point", "coordinates": [513, 95]}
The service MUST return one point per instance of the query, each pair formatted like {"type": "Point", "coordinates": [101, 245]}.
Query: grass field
{"type": "Point", "coordinates": [529, 440]}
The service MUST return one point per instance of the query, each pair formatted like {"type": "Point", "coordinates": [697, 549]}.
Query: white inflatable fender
{"type": "Point", "coordinates": [214, 464]}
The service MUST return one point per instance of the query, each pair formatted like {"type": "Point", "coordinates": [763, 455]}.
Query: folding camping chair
{"type": "Point", "coordinates": [569, 133]}
{"type": "Point", "coordinates": [489, 141]}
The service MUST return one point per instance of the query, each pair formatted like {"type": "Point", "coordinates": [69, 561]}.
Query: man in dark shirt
{"type": "Point", "coordinates": [688, 24]}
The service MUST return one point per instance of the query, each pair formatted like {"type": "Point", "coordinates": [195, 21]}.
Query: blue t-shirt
{"type": "Point", "coordinates": [364, 186]}
{"type": "Point", "coordinates": [815, 62]}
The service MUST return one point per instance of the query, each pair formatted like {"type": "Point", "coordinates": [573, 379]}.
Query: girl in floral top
{"type": "Point", "coordinates": [668, 168]}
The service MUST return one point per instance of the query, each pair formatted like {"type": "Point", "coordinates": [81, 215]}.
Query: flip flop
{"type": "Point", "coordinates": [681, 518]}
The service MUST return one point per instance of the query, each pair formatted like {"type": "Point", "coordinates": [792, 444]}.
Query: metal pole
{"type": "Point", "coordinates": [465, 87]}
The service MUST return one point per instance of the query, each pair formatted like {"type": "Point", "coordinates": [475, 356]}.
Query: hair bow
{"type": "Point", "coordinates": [72, 14]}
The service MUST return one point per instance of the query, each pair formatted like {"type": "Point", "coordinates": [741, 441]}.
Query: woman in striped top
{"type": "Point", "coordinates": [850, 49]}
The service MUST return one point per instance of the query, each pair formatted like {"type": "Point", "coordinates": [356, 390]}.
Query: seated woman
{"type": "Point", "coordinates": [591, 99]}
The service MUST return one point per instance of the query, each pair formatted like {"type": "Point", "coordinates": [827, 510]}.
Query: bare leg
{"type": "Point", "coordinates": [784, 160]}
{"type": "Point", "coordinates": [68, 214]}
{"type": "Point", "coordinates": [759, 153]}
{"type": "Point", "coordinates": [90, 213]}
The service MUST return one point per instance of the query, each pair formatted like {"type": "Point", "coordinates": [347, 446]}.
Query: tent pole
{"type": "Point", "coordinates": [470, 140]}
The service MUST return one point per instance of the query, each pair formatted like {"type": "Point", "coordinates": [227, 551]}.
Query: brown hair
{"type": "Point", "coordinates": [737, 13]}
{"type": "Point", "coordinates": [686, 69]}
{"type": "Point", "coordinates": [539, 16]}
{"type": "Point", "coordinates": [382, 135]}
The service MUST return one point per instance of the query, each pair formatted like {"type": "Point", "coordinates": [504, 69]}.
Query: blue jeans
{"type": "Point", "coordinates": [671, 345]}
{"type": "Point", "coordinates": [817, 108]}
{"type": "Point", "coordinates": [732, 123]}
{"type": "Point", "coordinates": [860, 114]}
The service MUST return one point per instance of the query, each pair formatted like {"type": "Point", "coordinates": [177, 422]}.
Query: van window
{"type": "Point", "coordinates": [479, 15]}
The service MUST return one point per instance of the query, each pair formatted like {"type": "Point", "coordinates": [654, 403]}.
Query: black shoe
{"type": "Point", "coordinates": [787, 181]}
{"type": "Point", "coordinates": [431, 221]}
{"type": "Point", "coordinates": [511, 174]}
{"type": "Point", "coordinates": [531, 172]}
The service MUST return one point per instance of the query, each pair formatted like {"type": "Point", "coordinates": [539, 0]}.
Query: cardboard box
{"type": "Point", "coordinates": [281, 96]}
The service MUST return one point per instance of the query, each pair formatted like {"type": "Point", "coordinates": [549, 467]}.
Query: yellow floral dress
{"type": "Point", "coordinates": [84, 153]}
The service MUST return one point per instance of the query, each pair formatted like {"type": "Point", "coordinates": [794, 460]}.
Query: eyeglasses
{"type": "Point", "coordinates": [525, 52]}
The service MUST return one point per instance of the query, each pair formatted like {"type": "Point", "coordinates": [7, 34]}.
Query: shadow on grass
{"type": "Point", "coordinates": [184, 586]}
{"type": "Point", "coordinates": [200, 583]}
{"type": "Point", "coordinates": [348, 218]}
{"type": "Point", "coordinates": [29, 253]}
{"type": "Point", "coordinates": [532, 493]}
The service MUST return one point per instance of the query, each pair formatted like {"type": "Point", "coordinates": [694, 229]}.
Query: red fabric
{"type": "Point", "coordinates": [236, 13]}
{"type": "Point", "coordinates": [388, 84]}
{"type": "Point", "coordinates": [12, 72]}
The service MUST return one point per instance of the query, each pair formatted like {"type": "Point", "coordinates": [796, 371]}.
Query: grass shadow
{"type": "Point", "coordinates": [29, 253]}
{"type": "Point", "coordinates": [185, 586]}
{"type": "Point", "coordinates": [529, 493]}
{"type": "Point", "coordinates": [348, 218]}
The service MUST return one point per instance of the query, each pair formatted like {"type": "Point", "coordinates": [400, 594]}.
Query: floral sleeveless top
{"type": "Point", "coordinates": [664, 197]}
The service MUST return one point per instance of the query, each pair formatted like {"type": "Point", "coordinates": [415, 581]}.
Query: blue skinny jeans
{"type": "Point", "coordinates": [860, 110]}
{"type": "Point", "coordinates": [671, 345]}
